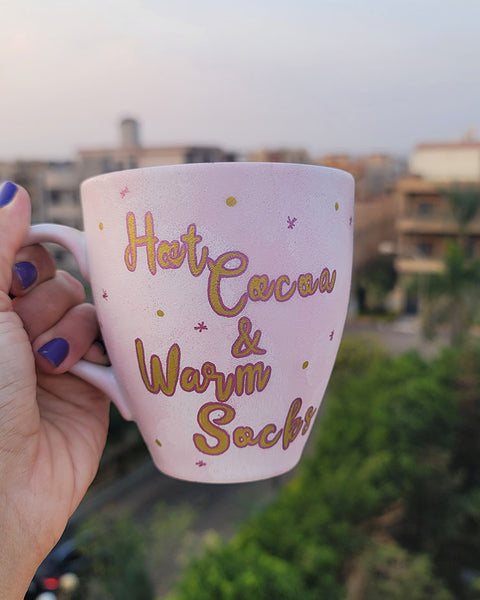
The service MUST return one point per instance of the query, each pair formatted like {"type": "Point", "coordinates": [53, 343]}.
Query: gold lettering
{"type": "Point", "coordinates": [209, 425]}
{"type": "Point", "coordinates": [158, 381]}
{"type": "Point", "coordinates": [192, 239]}
{"type": "Point", "coordinates": [219, 271]}
{"type": "Point", "coordinates": [149, 240]}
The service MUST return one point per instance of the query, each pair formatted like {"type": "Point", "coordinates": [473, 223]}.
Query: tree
{"type": "Point", "coordinates": [237, 572]}
{"type": "Point", "coordinates": [452, 296]}
{"type": "Point", "coordinates": [377, 279]}
{"type": "Point", "coordinates": [464, 202]}
{"type": "Point", "coordinates": [116, 549]}
{"type": "Point", "coordinates": [391, 572]}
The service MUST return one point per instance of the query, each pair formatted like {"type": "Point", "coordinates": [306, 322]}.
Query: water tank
{"type": "Point", "coordinates": [130, 133]}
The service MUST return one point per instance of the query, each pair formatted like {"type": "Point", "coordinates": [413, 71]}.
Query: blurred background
{"type": "Point", "coordinates": [386, 503]}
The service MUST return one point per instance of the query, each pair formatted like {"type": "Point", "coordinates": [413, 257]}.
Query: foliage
{"type": "Point", "coordinates": [117, 556]}
{"type": "Point", "coordinates": [391, 572]}
{"type": "Point", "coordinates": [464, 202]}
{"type": "Point", "coordinates": [397, 431]}
{"type": "Point", "coordinates": [451, 297]}
{"type": "Point", "coordinates": [376, 280]}
{"type": "Point", "coordinates": [170, 541]}
{"type": "Point", "coordinates": [234, 572]}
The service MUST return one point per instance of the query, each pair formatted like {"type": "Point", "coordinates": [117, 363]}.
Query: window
{"type": "Point", "coordinates": [424, 249]}
{"type": "Point", "coordinates": [425, 209]}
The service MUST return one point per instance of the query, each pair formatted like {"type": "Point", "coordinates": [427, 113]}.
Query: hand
{"type": "Point", "coordinates": [52, 425]}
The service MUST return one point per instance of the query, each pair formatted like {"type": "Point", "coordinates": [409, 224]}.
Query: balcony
{"type": "Point", "coordinates": [417, 264]}
{"type": "Point", "coordinates": [436, 223]}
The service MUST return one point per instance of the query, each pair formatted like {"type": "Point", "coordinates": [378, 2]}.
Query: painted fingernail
{"type": "Point", "coordinates": [27, 273]}
{"type": "Point", "coordinates": [7, 193]}
{"type": "Point", "coordinates": [55, 351]}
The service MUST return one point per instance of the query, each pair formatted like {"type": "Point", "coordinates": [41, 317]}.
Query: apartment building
{"type": "Point", "coordinates": [131, 154]}
{"type": "Point", "coordinates": [447, 162]}
{"type": "Point", "coordinates": [426, 223]}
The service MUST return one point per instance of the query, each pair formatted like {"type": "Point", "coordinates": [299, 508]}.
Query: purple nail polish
{"type": "Point", "coordinates": [27, 273]}
{"type": "Point", "coordinates": [7, 193]}
{"type": "Point", "coordinates": [55, 351]}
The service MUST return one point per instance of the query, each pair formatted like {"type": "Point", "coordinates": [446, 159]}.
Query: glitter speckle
{"type": "Point", "coordinates": [305, 365]}
{"type": "Point", "coordinates": [100, 226]}
{"type": "Point", "coordinates": [160, 313]}
{"type": "Point", "coordinates": [337, 206]}
{"type": "Point", "coordinates": [231, 201]}
{"type": "Point", "coordinates": [159, 443]}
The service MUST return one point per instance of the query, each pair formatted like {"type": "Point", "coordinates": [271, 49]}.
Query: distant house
{"type": "Point", "coordinates": [426, 223]}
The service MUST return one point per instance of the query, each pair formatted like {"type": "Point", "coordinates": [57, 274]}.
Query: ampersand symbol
{"type": "Point", "coordinates": [245, 344]}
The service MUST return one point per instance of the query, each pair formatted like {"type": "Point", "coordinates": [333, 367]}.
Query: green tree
{"type": "Point", "coordinates": [464, 203]}
{"type": "Point", "coordinates": [238, 572]}
{"type": "Point", "coordinates": [391, 572]}
{"type": "Point", "coordinates": [452, 296]}
{"type": "Point", "coordinates": [395, 432]}
{"type": "Point", "coordinates": [117, 551]}
{"type": "Point", "coordinates": [376, 280]}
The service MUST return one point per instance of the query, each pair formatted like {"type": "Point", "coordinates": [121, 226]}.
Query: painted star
{"type": "Point", "coordinates": [201, 326]}
{"type": "Point", "coordinates": [200, 463]}
{"type": "Point", "coordinates": [124, 192]}
{"type": "Point", "coordinates": [105, 295]}
{"type": "Point", "coordinates": [291, 222]}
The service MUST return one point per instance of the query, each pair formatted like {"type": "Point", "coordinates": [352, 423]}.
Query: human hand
{"type": "Point", "coordinates": [52, 425]}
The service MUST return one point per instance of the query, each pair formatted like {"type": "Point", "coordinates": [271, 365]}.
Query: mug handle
{"type": "Point", "coordinates": [73, 240]}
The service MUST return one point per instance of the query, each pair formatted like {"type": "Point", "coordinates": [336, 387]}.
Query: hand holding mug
{"type": "Point", "coordinates": [52, 426]}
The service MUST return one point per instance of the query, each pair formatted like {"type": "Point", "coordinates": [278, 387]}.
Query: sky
{"type": "Point", "coordinates": [327, 76]}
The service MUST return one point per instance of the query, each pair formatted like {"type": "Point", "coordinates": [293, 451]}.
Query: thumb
{"type": "Point", "coordinates": [14, 223]}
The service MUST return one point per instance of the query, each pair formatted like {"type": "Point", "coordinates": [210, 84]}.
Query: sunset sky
{"type": "Point", "coordinates": [327, 76]}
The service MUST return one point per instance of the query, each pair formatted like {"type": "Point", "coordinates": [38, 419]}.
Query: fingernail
{"type": "Point", "coordinates": [7, 193]}
{"type": "Point", "coordinates": [27, 273]}
{"type": "Point", "coordinates": [55, 351]}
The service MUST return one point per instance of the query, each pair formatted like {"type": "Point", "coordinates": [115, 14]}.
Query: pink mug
{"type": "Point", "coordinates": [221, 291]}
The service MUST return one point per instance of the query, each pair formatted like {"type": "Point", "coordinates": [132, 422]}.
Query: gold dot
{"type": "Point", "coordinates": [160, 313]}
{"type": "Point", "coordinates": [305, 364]}
{"type": "Point", "coordinates": [337, 206]}
{"type": "Point", "coordinates": [231, 201]}
{"type": "Point", "coordinates": [100, 226]}
{"type": "Point", "coordinates": [158, 443]}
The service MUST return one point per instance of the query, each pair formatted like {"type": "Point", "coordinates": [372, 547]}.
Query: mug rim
{"type": "Point", "coordinates": [218, 165]}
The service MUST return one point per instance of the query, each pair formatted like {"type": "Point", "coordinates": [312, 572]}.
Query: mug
{"type": "Point", "coordinates": [221, 290]}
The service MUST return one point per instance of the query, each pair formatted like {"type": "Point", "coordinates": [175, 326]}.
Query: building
{"type": "Point", "coordinates": [282, 155]}
{"type": "Point", "coordinates": [447, 162]}
{"type": "Point", "coordinates": [426, 223]}
{"type": "Point", "coordinates": [130, 154]}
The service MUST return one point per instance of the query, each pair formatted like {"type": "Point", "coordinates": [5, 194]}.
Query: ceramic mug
{"type": "Point", "coordinates": [221, 291]}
